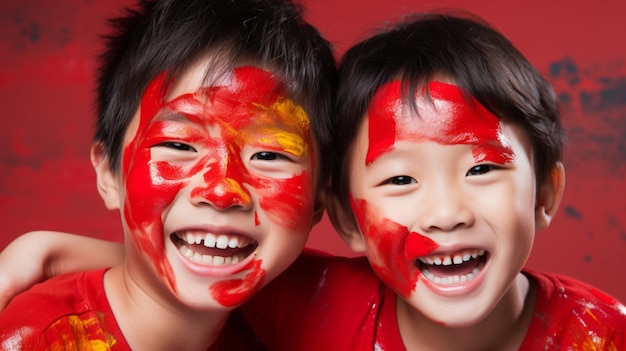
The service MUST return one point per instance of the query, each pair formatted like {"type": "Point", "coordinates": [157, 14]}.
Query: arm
{"type": "Point", "coordinates": [37, 256]}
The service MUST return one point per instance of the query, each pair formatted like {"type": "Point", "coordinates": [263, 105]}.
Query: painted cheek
{"type": "Point", "coordinates": [150, 186]}
{"type": "Point", "coordinates": [454, 120]}
{"type": "Point", "coordinates": [287, 202]}
{"type": "Point", "coordinates": [391, 248]}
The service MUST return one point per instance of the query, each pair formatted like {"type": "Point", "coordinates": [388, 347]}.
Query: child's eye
{"type": "Point", "coordinates": [177, 146]}
{"type": "Point", "coordinates": [480, 169]}
{"type": "Point", "coordinates": [268, 156]}
{"type": "Point", "coordinates": [400, 180]}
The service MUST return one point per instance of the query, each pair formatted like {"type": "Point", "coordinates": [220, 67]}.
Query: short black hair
{"type": "Point", "coordinates": [169, 35]}
{"type": "Point", "coordinates": [461, 47]}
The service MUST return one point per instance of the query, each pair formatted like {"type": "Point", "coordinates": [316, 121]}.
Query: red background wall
{"type": "Point", "coordinates": [47, 51]}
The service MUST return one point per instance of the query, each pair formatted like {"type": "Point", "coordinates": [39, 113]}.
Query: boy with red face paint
{"type": "Point", "coordinates": [448, 161]}
{"type": "Point", "coordinates": [454, 164]}
{"type": "Point", "coordinates": [205, 146]}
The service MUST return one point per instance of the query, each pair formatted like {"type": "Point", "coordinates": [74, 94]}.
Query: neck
{"type": "Point", "coordinates": [151, 321]}
{"type": "Point", "coordinates": [504, 327]}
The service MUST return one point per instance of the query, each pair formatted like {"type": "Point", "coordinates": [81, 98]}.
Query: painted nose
{"type": "Point", "coordinates": [223, 187]}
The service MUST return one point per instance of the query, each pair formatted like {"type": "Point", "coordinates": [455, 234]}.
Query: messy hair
{"type": "Point", "coordinates": [169, 35]}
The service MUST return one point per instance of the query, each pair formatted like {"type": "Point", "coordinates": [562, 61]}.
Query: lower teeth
{"type": "Point", "coordinates": [452, 279]}
{"type": "Point", "coordinates": [208, 259]}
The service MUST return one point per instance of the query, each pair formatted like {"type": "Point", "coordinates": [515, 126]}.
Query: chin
{"type": "Point", "coordinates": [451, 312]}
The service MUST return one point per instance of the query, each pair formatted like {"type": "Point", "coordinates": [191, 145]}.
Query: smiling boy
{"type": "Point", "coordinates": [208, 141]}
{"type": "Point", "coordinates": [454, 166]}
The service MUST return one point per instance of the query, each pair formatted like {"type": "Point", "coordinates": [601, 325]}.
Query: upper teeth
{"type": "Point", "coordinates": [451, 259]}
{"type": "Point", "coordinates": [215, 241]}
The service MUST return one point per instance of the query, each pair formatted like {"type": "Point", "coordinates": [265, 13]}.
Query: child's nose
{"type": "Point", "coordinates": [222, 187]}
{"type": "Point", "coordinates": [444, 208]}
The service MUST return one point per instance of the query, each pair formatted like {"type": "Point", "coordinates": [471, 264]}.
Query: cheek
{"type": "Point", "coordinates": [150, 189]}
{"type": "Point", "coordinates": [287, 202]}
{"type": "Point", "coordinates": [391, 247]}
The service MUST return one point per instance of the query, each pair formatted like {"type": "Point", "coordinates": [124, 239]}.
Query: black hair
{"type": "Point", "coordinates": [169, 35]}
{"type": "Point", "coordinates": [461, 47]}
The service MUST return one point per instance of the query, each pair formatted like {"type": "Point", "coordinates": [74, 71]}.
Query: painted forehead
{"type": "Point", "coordinates": [448, 117]}
{"type": "Point", "coordinates": [247, 92]}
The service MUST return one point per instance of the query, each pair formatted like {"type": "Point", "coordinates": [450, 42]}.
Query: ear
{"type": "Point", "coordinates": [105, 178]}
{"type": "Point", "coordinates": [549, 195]}
{"type": "Point", "coordinates": [345, 224]}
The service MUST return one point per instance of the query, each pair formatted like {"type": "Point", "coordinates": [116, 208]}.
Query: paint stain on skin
{"type": "Point", "coordinates": [454, 121]}
{"type": "Point", "coordinates": [391, 247]}
{"type": "Point", "coordinates": [221, 119]}
{"type": "Point", "coordinates": [234, 292]}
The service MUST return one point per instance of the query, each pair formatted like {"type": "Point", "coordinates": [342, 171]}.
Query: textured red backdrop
{"type": "Point", "coordinates": [47, 51]}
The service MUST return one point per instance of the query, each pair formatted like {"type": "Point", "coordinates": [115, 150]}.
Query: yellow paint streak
{"type": "Point", "coordinates": [78, 333]}
{"type": "Point", "coordinates": [295, 125]}
{"type": "Point", "coordinates": [235, 187]}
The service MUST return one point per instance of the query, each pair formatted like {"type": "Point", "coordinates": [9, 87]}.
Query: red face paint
{"type": "Point", "coordinates": [391, 247]}
{"type": "Point", "coordinates": [251, 110]}
{"type": "Point", "coordinates": [234, 292]}
{"type": "Point", "coordinates": [455, 120]}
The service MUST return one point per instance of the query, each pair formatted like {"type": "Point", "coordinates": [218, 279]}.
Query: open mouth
{"type": "Point", "coordinates": [214, 249]}
{"type": "Point", "coordinates": [450, 269]}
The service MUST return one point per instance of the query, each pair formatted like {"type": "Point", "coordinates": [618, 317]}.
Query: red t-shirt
{"type": "Point", "coordinates": [71, 312]}
{"type": "Point", "coordinates": [66, 312]}
{"type": "Point", "coordinates": [326, 303]}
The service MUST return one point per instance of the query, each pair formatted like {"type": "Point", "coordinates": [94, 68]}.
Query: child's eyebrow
{"type": "Point", "coordinates": [183, 109]}
{"type": "Point", "coordinates": [173, 116]}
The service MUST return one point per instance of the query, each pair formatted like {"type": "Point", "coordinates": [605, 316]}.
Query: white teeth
{"type": "Point", "coordinates": [208, 259]}
{"type": "Point", "coordinates": [453, 279]}
{"type": "Point", "coordinates": [215, 241]}
{"type": "Point", "coordinates": [209, 240]}
{"type": "Point", "coordinates": [189, 239]}
{"type": "Point", "coordinates": [222, 242]}
{"type": "Point", "coordinates": [232, 243]}
{"type": "Point", "coordinates": [449, 260]}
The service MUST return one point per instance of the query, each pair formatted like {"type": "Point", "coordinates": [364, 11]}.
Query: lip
{"type": "Point", "coordinates": [460, 288]}
{"type": "Point", "coordinates": [211, 270]}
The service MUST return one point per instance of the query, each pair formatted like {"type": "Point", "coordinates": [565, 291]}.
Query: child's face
{"type": "Point", "coordinates": [218, 185]}
{"type": "Point", "coordinates": [445, 201]}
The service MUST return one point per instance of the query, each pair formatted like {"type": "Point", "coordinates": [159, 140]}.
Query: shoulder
{"type": "Point", "coordinates": [45, 306]}
{"type": "Point", "coordinates": [333, 267]}
{"type": "Point", "coordinates": [316, 275]}
{"type": "Point", "coordinates": [318, 295]}
{"type": "Point", "coordinates": [570, 312]}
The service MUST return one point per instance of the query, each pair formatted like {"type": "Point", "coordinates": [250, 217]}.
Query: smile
{"type": "Point", "coordinates": [212, 249]}
{"type": "Point", "coordinates": [451, 269]}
